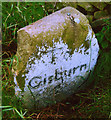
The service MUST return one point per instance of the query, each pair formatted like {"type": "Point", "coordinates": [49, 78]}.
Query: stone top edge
{"type": "Point", "coordinates": [63, 11]}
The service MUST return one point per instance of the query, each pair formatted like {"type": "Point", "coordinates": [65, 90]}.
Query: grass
{"type": "Point", "coordinates": [94, 102]}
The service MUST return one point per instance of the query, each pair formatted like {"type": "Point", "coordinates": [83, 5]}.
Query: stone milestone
{"type": "Point", "coordinates": [56, 55]}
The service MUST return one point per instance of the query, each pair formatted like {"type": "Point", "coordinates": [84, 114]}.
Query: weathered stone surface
{"type": "Point", "coordinates": [71, 4]}
{"type": "Point", "coordinates": [56, 55]}
{"type": "Point", "coordinates": [90, 18]}
{"type": "Point", "coordinates": [108, 2]}
{"type": "Point", "coordinates": [100, 14]}
{"type": "Point", "coordinates": [87, 6]}
{"type": "Point", "coordinates": [99, 5]}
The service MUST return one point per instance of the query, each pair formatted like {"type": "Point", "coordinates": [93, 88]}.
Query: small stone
{"type": "Point", "coordinates": [71, 4]}
{"type": "Point", "coordinates": [100, 14]}
{"type": "Point", "coordinates": [109, 9]}
{"type": "Point", "coordinates": [99, 5]}
{"type": "Point", "coordinates": [87, 6]}
{"type": "Point", "coordinates": [100, 23]}
{"type": "Point", "coordinates": [108, 3]}
{"type": "Point", "coordinates": [68, 14]}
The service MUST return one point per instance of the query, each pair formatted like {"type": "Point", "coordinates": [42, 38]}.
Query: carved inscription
{"type": "Point", "coordinates": [38, 81]}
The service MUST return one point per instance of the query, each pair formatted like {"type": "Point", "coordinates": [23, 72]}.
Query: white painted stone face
{"type": "Point", "coordinates": [60, 61]}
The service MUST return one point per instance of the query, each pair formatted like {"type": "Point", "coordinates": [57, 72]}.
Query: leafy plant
{"type": "Point", "coordinates": [16, 15]}
{"type": "Point", "coordinates": [104, 36]}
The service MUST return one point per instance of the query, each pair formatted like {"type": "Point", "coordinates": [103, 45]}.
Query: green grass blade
{"type": "Point", "coordinates": [7, 109]}
{"type": "Point", "coordinates": [1, 107]}
{"type": "Point", "coordinates": [110, 115]}
{"type": "Point", "coordinates": [17, 59]}
{"type": "Point", "coordinates": [19, 113]}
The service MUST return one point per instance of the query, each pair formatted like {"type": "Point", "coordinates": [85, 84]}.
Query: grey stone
{"type": "Point", "coordinates": [56, 55]}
